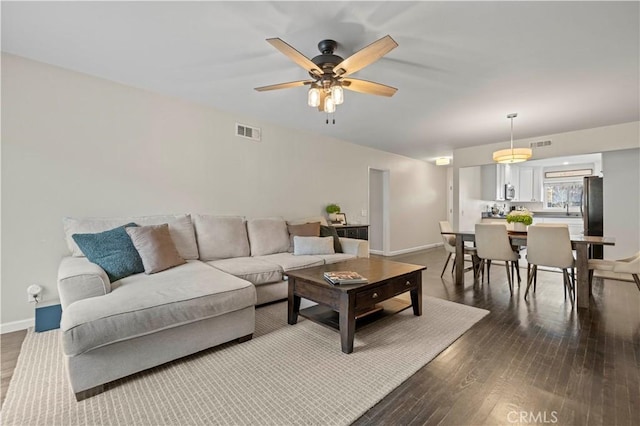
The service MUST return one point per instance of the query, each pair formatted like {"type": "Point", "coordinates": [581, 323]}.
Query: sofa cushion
{"type": "Point", "coordinates": [312, 245]}
{"type": "Point", "coordinates": [155, 247]}
{"type": "Point", "coordinates": [251, 269]}
{"type": "Point", "coordinates": [330, 231]}
{"type": "Point", "coordinates": [303, 230]}
{"type": "Point", "coordinates": [337, 257]}
{"type": "Point", "coordinates": [112, 250]}
{"type": "Point", "coordinates": [221, 237]}
{"type": "Point", "coordinates": [268, 236]}
{"type": "Point", "coordinates": [144, 304]}
{"type": "Point", "coordinates": [180, 227]}
{"type": "Point", "coordinates": [289, 262]}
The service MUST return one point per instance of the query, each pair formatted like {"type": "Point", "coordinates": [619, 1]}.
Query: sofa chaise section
{"type": "Point", "coordinates": [147, 320]}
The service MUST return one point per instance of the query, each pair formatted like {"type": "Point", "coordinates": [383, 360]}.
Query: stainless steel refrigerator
{"type": "Point", "coordinates": [592, 212]}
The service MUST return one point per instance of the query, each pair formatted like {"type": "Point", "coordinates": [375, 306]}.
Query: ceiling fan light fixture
{"type": "Point", "coordinates": [337, 94]}
{"type": "Point", "coordinates": [313, 97]}
{"type": "Point", "coordinates": [512, 155]}
{"type": "Point", "coordinates": [328, 72]}
{"type": "Point", "coordinates": [329, 105]}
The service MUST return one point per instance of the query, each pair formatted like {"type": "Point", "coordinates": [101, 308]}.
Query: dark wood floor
{"type": "Point", "coordinates": [527, 362]}
{"type": "Point", "coordinates": [535, 362]}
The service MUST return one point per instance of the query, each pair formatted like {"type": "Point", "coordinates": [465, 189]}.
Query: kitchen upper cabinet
{"type": "Point", "coordinates": [512, 177]}
{"type": "Point", "coordinates": [529, 184]}
{"type": "Point", "coordinates": [526, 184]}
{"type": "Point", "coordinates": [493, 180]}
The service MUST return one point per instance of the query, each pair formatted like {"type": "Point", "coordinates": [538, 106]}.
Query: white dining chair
{"type": "Point", "coordinates": [629, 265]}
{"type": "Point", "coordinates": [550, 245]}
{"type": "Point", "coordinates": [450, 246]}
{"type": "Point", "coordinates": [492, 243]}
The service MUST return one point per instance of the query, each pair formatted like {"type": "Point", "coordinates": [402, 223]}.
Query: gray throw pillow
{"type": "Point", "coordinates": [112, 250]}
{"type": "Point", "coordinates": [312, 245]}
{"type": "Point", "coordinates": [155, 247]}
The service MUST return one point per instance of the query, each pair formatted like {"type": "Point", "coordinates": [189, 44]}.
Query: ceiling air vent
{"type": "Point", "coordinates": [539, 144]}
{"type": "Point", "coordinates": [248, 132]}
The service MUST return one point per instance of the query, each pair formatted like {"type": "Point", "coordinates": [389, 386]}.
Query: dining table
{"type": "Point", "coordinates": [580, 244]}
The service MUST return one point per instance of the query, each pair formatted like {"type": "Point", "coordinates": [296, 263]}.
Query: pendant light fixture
{"type": "Point", "coordinates": [512, 155]}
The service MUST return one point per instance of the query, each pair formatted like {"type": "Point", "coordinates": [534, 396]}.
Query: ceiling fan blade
{"type": "Point", "coordinates": [365, 56]}
{"type": "Point", "coordinates": [368, 87]}
{"type": "Point", "coordinates": [284, 85]}
{"type": "Point", "coordinates": [295, 56]}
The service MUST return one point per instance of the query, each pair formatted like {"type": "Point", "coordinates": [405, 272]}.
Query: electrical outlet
{"type": "Point", "coordinates": [33, 293]}
{"type": "Point", "coordinates": [363, 213]}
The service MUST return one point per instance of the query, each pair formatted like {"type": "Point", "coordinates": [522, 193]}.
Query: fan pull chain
{"type": "Point", "coordinates": [333, 120]}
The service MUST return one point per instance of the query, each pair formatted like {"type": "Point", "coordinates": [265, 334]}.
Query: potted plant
{"type": "Point", "coordinates": [520, 219]}
{"type": "Point", "coordinates": [331, 210]}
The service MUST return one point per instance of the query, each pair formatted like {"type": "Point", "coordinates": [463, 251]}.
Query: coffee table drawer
{"type": "Point", "coordinates": [371, 297]}
{"type": "Point", "coordinates": [402, 284]}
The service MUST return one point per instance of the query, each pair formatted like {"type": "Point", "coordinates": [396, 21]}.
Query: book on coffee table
{"type": "Point", "coordinates": [344, 277]}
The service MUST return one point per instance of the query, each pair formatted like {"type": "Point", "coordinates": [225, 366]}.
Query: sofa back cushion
{"type": "Point", "coordinates": [268, 236]}
{"type": "Point", "coordinates": [180, 228]}
{"type": "Point", "coordinates": [221, 237]}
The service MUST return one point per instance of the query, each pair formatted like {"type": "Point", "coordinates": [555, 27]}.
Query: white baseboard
{"type": "Point", "coordinates": [405, 251]}
{"type": "Point", "coordinates": [17, 325]}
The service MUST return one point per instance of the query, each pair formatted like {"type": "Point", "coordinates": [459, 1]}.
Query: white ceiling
{"type": "Point", "coordinates": [460, 67]}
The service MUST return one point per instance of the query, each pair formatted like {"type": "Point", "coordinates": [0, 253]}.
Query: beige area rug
{"type": "Point", "coordinates": [285, 375]}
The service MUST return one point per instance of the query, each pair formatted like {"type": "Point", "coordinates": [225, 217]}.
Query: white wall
{"type": "Point", "coordinates": [76, 145]}
{"type": "Point", "coordinates": [621, 192]}
{"type": "Point", "coordinates": [376, 210]}
{"type": "Point", "coordinates": [471, 203]}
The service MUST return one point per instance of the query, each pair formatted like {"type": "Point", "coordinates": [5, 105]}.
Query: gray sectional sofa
{"type": "Point", "coordinates": [113, 329]}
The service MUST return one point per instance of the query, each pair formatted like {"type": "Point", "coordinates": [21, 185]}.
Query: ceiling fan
{"type": "Point", "coordinates": [329, 72]}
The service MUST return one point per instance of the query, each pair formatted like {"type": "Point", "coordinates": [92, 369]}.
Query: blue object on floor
{"type": "Point", "coordinates": [48, 317]}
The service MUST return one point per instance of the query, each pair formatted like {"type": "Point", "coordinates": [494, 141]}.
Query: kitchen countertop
{"type": "Point", "coordinates": [557, 214]}
{"type": "Point", "coordinates": [562, 215]}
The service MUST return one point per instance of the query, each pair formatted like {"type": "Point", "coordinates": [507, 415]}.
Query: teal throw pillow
{"type": "Point", "coordinates": [112, 250]}
{"type": "Point", "coordinates": [330, 231]}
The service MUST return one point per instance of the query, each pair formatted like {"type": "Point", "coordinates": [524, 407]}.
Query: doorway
{"type": "Point", "coordinates": [378, 211]}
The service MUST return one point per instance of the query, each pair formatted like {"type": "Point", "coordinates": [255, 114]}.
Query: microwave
{"type": "Point", "coordinates": [509, 192]}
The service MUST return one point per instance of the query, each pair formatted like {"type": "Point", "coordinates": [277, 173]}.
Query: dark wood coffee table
{"type": "Point", "coordinates": [346, 306]}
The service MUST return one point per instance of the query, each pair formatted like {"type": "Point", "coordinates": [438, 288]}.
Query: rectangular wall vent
{"type": "Point", "coordinates": [248, 132]}
{"type": "Point", "coordinates": [539, 144]}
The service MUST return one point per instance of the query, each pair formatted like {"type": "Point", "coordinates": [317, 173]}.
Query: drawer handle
{"type": "Point", "coordinates": [408, 283]}
{"type": "Point", "coordinates": [374, 296]}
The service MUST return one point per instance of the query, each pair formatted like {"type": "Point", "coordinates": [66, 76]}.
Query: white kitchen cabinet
{"type": "Point", "coordinates": [525, 185]}
{"type": "Point", "coordinates": [538, 194]}
{"type": "Point", "coordinates": [493, 180]}
{"type": "Point", "coordinates": [529, 186]}
{"type": "Point", "coordinates": [511, 177]}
